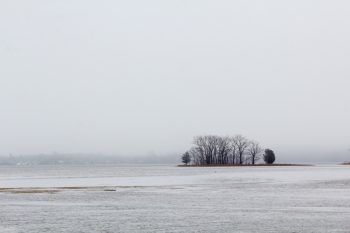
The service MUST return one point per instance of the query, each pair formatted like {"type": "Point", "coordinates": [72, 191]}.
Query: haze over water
{"type": "Point", "coordinates": [140, 78]}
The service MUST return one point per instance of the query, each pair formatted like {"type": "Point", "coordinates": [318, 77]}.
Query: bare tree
{"type": "Point", "coordinates": [241, 144]}
{"type": "Point", "coordinates": [254, 151]}
{"type": "Point", "coordinates": [207, 148]}
{"type": "Point", "coordinates": [223, 148]}
{"type": "Point", "coordinates": [211, 149]}
{"type": "Point", "coordinates": [197, 156]}
{"type": "Point", "coordinates": [233, 151]}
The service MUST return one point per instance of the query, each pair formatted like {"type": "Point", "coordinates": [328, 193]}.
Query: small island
{"type": "Point", "coordinates": [252, 165]}
{"type": "Point", "coordinates": [236, 151]}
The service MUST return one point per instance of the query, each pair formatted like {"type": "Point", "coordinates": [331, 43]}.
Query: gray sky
{"type": "Point", "coordinates": [140, 77]}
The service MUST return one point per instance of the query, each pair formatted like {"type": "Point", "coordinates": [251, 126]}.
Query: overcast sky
{"type": "Point", "coordinates": [140, 77]}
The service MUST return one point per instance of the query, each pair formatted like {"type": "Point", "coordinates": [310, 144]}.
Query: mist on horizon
{"type": "Point", "coordinates": [143, 78]}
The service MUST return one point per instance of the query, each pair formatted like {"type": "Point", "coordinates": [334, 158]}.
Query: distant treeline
{"type": "Point", "coordinates": [77, 159]}
{"type": "Point", "coordinates": [218, 150]}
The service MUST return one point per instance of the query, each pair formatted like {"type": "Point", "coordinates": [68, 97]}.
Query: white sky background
{"type": "Point", "coordinates": [134, 77]}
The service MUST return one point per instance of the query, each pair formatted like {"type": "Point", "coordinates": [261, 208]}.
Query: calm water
{"type": "Point", "coordinates": [166, 198]}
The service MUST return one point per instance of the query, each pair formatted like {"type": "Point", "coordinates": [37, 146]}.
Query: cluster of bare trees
{"type": "Point", "coordinates": [212, 150]}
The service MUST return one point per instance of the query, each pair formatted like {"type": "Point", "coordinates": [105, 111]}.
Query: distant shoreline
{"type": "Point", "coordinates": [250, 165]}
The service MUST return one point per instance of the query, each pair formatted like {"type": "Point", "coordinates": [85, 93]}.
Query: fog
{"type": "Point", "coordinates": [134, 78]}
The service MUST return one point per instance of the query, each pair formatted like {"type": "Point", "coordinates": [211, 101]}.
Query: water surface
{"type": "Point", "coordinates": [166, 198]}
